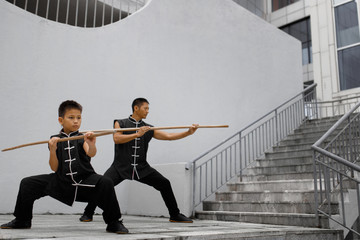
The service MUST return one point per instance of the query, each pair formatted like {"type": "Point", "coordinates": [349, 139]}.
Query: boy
{"type": "Point", "coordinates": [130, 159]}
{"type": "Point", "coordinates": [74, 179]}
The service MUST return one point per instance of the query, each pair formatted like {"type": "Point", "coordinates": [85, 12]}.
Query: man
{"type": "Point", "coordinates": [130, 158]}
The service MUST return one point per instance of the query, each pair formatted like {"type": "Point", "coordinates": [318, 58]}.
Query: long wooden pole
{"type": "Point", "coordinates": [154, 128]}
{"type": "Point", "coordinates": [98, 133]}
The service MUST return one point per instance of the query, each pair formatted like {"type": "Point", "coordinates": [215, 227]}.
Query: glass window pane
{"type": "Point", "coordinates": [277, 4]}
{"type": "Point", "coordinates": [347, 24]}
{"type": "Point", "coordinates": [301, 31]}
{"type": "Point", "coordinates": [349, 71]}
{"type": "Point", "coordinates": [305, 54]}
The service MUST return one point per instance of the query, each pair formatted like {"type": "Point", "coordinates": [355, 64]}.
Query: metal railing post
{"type": "Point", "coordinates": [193, 190]}
{"type": "Point", "coordinates": [240, 156]}
{"type": "Point", "coordinates": [316, 195]}
{"type": "Point", "coordinates": [276, 127]}
{"type": "Point", "coordinates": [316, 104]}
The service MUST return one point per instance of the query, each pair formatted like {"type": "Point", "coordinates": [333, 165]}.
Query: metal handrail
{"type": "Point", "coordinates": [81, 13]}
{"type": "Point", "coordinates": [232, 156]}
{"type": "Point", "coordinates": [251, 124]}
{"type": "Point", "coordinates": [336, 107]}
{"type": "Point", "coordinates": [335, 126]}
{"type": "Point", "coordinates": [332, 170]}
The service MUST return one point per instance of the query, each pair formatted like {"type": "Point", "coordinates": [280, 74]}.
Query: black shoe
{"type": "Point", "coordinates": [86, 218]}
{"type": "Point", "coordinates": [180, 218]}
{"type": "Point", "coordinates": [117, 227]}
{"type": "Point", "coordinates": [17, 224]}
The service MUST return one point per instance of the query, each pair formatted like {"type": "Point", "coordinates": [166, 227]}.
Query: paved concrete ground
{"type": "Point", "coordinates": [69, 227]}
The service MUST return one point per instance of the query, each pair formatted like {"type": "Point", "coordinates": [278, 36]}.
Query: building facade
{"type": "Point", "coordinates": [329, 34]}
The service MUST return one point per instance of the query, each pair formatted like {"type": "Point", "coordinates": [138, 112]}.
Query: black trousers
{"type": "Point", "coordinates": [34, 187]}
{"type": "Point", "coordinates": [155, 179]}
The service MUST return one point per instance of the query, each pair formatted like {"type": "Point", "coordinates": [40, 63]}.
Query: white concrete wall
{"type": "Point", "coordinates": [145, 200]}
{"type": "Point", "coordinates": [196, 61]}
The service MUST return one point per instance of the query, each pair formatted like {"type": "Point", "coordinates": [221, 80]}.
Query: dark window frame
{"type": "Point", "coordinates": [305, 43]}
{"type": "Point", "coordinates": [278, 4]}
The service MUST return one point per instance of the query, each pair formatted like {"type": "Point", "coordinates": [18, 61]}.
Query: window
{"type": "Point", "coordinates": [257, 7]}
{"type": "Point", "coordinates": [348, 44]}
{"type": "Point", "coordinates": [301, 30]}
{"type": "Point", "coordinates": [347, 24]}
{"type": "Point", "coordinates": [349, 71]}
{"type": "Point", "coordinates": [277, 4]}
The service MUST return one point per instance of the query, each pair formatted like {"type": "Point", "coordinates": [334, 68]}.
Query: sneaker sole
{"type": "Point", "coordinates": [117, 232]}
{"type": "Point", "coordinates": [180, 221]}
{"type": "Point", "coordinates": [86, 220]}
{"type": "Point", "coordinates": [14, 228]}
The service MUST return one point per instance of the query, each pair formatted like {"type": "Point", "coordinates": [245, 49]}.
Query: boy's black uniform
{"type": "Point", "coordinates": [75, 180]}
{"type": "Point", "coordinates": [130, 163]}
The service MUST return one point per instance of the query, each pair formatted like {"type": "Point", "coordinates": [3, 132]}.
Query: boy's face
{"type": "Point", "coordinates": [71, 121]}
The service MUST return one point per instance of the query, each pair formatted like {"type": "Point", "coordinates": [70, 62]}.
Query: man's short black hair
{"type": "Point", "coordinates": [138, 102]}
{"type": "Point", "coordinates": [67, 105]}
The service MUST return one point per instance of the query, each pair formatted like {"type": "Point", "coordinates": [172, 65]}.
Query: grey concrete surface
{"type": "Point", "coordinates": [69, 227]}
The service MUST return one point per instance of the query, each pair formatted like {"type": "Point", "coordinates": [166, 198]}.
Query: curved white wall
{"type": "Point", "coordinates": [196, 61]}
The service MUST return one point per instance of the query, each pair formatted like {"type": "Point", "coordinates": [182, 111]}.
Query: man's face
{"type": "Point", "coordinates": [143, 111]}
{"type": "Point", "coordinates": [71, 121]}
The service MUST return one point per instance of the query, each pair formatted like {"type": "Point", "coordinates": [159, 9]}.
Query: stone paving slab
{"type": "Point", "coordinates": [152, 228]}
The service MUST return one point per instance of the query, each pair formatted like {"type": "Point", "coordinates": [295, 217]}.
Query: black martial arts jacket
{"type": "Point", "coordinates": [130, 158]}
{"type": "Point", "coordinates": [74, 170]}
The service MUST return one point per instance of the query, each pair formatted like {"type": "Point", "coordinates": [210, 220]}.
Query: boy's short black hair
{"type": "Point", "coordinates": [138, 102]}
{"type": "Point", "coordinates": [67, 105]}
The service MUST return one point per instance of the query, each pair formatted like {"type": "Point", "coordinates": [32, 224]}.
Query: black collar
{"type": "Point", "coordinates": [133, 120]}
{"type": "Point", "coordinates": [66, 135]}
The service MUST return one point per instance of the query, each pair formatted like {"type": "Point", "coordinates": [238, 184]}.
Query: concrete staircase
{"type": "Point", "coordinates": [278, 189]}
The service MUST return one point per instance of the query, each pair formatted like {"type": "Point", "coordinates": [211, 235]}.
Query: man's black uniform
{"type": "Point", "coordinates": [130, 163]}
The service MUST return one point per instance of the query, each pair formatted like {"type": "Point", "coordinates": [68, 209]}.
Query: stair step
{"type": "Point", "coordinates": [313, 128]}
{"type": "Point", "coordinates": [280, 185]}
{"type": "Point", "coordinates": [268, 196]}
{"type": "Point", "coordinates": [313, 136]}
{"type": "Point", "coordinates": [292, 147]}
{"type": "Point", "coordinates": [283, 161]}
{"type": "Point", "coordinates": [300, 168]}
{"type": "Point", "coordinates": [274, 207]}
{"type": "Point", "coordinates": [292, 153]}
{"type": "Point", "coordinates": [294, 141]}
{"type": "Point", "coordinates": [275, 177]}
{"type": "Point", "coordinates": [325, 120]}
{"type": "Point", "coordinates": [317, 127]}
{"type": "Point", "coordinates": [294, 196]}
{"type": "Point", "coordinates": [291, 219]}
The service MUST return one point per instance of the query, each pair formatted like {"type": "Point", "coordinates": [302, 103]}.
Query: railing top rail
{"type": "Point", "coordinates": [335, 126]}
{"type": "Point", "coordinates": [340, 99]}
{"type": "Point", "coordinates": [337, 158]}
{"type": "Point", "coordinates": [251, 124]}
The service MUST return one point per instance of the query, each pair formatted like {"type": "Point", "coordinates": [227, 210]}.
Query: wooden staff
{"type": "Point", "coordinates": [154, 128]}
{"type": "Point", "coordinates": [98, 133]}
